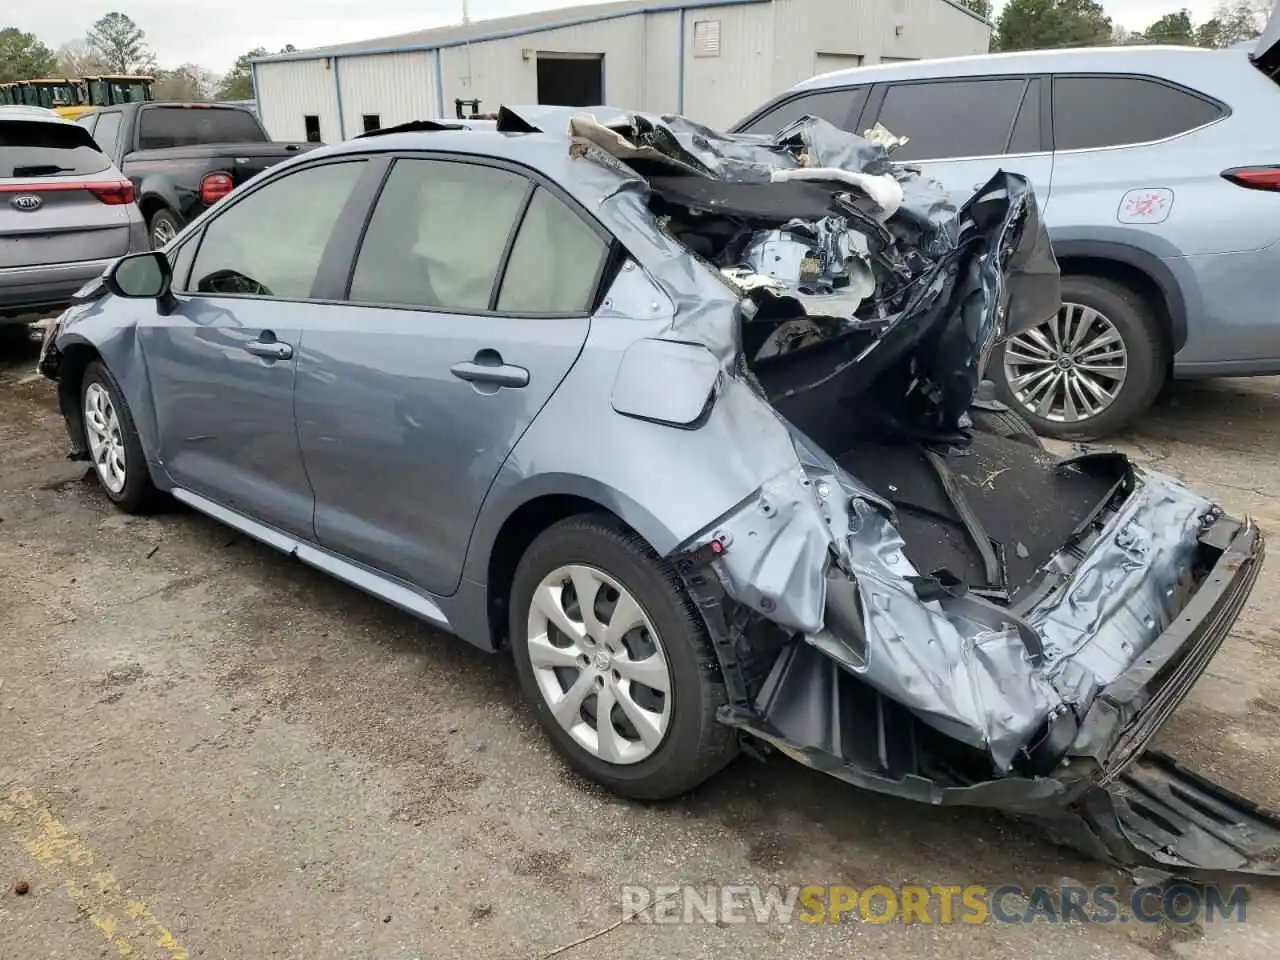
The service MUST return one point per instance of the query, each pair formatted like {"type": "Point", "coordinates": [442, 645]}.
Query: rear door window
{"type": "Point", "coordinates": [948, 119]}
{"type": "Point", "coordinates": [162, 127]}
{"type": "Point", "coordinates": [39, 148]}
{"type": "Point", "coordinates": [840, 108]}
{"type": "Point", "coordinates": [555, 262]}
{"type": "Point", "coordinates": [438, 236]}
{"type": "Point", "coordinates": [107, 132]}
{"type": "Point", "coordinates": [1113, 111]}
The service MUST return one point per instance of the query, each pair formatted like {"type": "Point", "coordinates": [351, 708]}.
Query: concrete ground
{"type": "Point", "coordinates": [207, 749]}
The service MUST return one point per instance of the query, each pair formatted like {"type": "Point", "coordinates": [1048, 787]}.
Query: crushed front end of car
{"type": "Point", "coordinates": [917, 606]}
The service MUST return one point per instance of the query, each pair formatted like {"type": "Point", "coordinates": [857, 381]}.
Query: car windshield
{"type": "Point", "coordinates": [34, 148]}
{"type": "Point", "coordinates": [163, 127]}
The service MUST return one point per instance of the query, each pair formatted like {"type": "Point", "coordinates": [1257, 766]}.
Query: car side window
{"type": "Point", "coordinates": [952, 118]}
{"type": "Point", "coordinates": [88, 121]}
{"type": "Point", "coordinates": [270, 243]}
{"type": "Point", "coordinates": [438, 235]}
{"type": "Point", "coordinates": [107, 132]}
{"type": "Point", "coordinates": [1110, 111]}
{"type": "Point", "coordinates": [1026, 136]}
{"type": "Point", "coordinates": [554, 263]}
{"type": "Point", "coordinates": [838, 107]}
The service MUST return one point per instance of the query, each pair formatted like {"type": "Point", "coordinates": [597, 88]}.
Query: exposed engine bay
{"type": "Point", "coordinates": [920, 607]}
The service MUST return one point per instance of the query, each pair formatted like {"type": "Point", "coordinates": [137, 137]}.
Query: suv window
{"type": "Point", "coordinates": [162, 127]}
{"type": "Point", "coordinates": [554, 263]}
{"type": "Point", "coordinates": [107, 132]}
{"type": "Point", "coordinates": [838, 107]}
{"type": "Point", "coordinates": [952, 118]}
{"type": "Point", "coordinates": [270, 243]}
{"type": "Point", "coordinates": [42, 148]}
{"type": "Point", "coordinates": [1102, 111]}
{"type": "Point", "coordinates": [438, 235]}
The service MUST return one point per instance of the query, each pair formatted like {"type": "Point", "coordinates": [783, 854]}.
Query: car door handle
{"type": "Point", "coordinates": [487, 367]}
{"type": "Point", "coordinates": [269, 349]}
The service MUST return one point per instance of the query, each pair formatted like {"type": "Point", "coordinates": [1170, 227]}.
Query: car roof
{"type": "Point", "coordinates": [1128, 59]}
{"type": "Point", "coordinates": [20, 111]}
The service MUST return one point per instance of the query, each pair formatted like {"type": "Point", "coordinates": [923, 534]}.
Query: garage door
{"type": "Point", "coordinates": [826, 62]}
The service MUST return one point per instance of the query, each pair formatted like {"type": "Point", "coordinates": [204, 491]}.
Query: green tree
{"type": "Point", "coordinates": [1171, 28]}
{"type": "Point", "coordinates": [981, 7]}
{"type": "Point", "coordinates": [1039, 24]}
{"type": "Point", "coordinates": [238, 82]}
{"type": "Point", "coordinates": [1209, 34]}
{"type": "Point", "coordinates": [121, 43]}
{"type": "Point", "coordinates": [1242, 20]}
{"type": "Point", "coordinates": [23, 56]}
{"type": "Point", "coordinates": [190, 82]}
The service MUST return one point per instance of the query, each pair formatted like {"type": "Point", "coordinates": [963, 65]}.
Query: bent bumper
{"type": "Point", "coordinates": [1130, 710]}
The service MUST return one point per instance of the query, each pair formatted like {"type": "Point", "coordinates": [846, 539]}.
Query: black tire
{"type": "Point", "coordinates": [696, 744]}
{"type": "Point", "coordinates": [1004, 423]}
{"type": "Point", "coordinates": [1147, 354]}
{"type": "Point", "coordinates": [165, 219]}
{"type": "Point", "coordinates": [139, 494]}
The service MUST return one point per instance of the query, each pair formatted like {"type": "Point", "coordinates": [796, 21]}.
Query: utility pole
{"type": "Point", "coordinates": [466, 18]}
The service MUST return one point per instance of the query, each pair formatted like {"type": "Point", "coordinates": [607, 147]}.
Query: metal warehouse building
{"type": "Point", "coordinates": [712, 60]}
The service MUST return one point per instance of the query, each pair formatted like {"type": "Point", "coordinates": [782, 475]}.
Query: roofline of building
{"type": "Point", "coordinates": [499, 33]}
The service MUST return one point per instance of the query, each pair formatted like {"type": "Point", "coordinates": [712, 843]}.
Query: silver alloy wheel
{"type": "Point", "coordinates": [599, 664]}
{"type": "Point", "coordinates": [162, 231]}
{"type": "Point", "coordinates": [1068, 369]}
{"type": "Point", "coordinates": [106, 441]}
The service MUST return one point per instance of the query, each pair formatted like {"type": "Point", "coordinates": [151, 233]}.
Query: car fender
{"type": "Point", "coordinates": [1140, 250]}
{"type": "Point", "coordinates": [666, 482]}
{"type": "Point", "coordinates": [161, 190]}
{"type": "Point", "coordinates": [120, 349]}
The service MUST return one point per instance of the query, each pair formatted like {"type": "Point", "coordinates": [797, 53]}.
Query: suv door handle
{"type": "Point", "coordinates": [269, 349]}
{"type": "Point", "coordinates": [487, 367]}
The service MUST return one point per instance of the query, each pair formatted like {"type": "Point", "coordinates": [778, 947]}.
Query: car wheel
{"type": "Point", "coordinates": [1004, 423]}
{"type": "Point", "coordinates": [616, 660]}
{"type": "Point", "coordinates": [113, 442]}
{"type": "Point", "coordinates": [1091, 370]}
{"type": "Point", "coordinates": [163, 226]}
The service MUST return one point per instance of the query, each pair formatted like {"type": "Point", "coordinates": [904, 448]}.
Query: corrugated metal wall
{"type": "Point", "coordinates": [398, 87]}
{"type": "Point", "coordinates": [874, 31]}
{"type": "Point", "coordinates": [721, 89]}
{"type": "Point", "coordinates": [740, 57]}
{"type": "Point", "coordinates": [291, 90]}
{"type": "Point", "coordinates": [506, 71]}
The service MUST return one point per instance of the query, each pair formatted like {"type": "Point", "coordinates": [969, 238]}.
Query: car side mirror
{"type": "Point", "coordinates": [142, 276]}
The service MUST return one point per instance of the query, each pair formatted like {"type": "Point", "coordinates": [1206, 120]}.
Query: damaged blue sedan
{"type": "Point", "coordinates": [695, 425]}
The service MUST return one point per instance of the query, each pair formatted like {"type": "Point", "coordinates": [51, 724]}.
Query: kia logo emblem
{"type": "Point", "coordinates": [27, 202]}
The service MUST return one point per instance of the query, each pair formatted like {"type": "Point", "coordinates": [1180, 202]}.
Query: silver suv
{"type": "Point", "coordinates": [66, 212]}
{"type": "Point", "coordinates": [1156, 172]}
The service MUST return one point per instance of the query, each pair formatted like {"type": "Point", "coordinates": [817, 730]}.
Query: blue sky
{"type": "Point", "coordinates": [214, 32]}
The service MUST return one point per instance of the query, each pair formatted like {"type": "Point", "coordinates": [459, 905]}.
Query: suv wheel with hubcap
{"type": "Point", "coordinates": [1089, 371]}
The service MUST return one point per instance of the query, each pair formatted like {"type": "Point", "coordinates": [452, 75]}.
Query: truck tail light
{"type": "Point", "coordinates": [113, 194]}
{"type": "Point", "coordinates": [1254, 178]}
{"type": "Point", "coordinates": [214, 187]}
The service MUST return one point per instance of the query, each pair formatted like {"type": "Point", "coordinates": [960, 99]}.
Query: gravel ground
{"type": "Point", "coordinates": [207, 749]}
